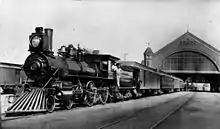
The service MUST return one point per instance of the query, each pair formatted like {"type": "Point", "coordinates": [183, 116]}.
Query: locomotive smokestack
{"type": "Point", "coordinates": [49, 33]}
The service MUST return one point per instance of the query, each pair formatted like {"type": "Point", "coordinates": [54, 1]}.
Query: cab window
{"type": "Point", "coordinates": [104, 65]}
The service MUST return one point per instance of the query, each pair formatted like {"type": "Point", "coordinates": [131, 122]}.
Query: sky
{"type": "Point", "coordinates": [111, 26]}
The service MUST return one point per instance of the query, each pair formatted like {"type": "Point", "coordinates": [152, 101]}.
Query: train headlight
{"type": "Point", "coordinates": [35, 41]}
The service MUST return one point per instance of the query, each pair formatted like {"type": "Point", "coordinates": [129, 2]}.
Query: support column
{"type": "Point", "coordinates": [214, 87]}
{"type": "Point", "coordinates": [0, 107]}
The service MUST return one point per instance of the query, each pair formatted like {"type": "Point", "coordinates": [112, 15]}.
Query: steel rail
{"type": "Point", "coordinates": [176, 109]}
{"type": "Point", "coordinates": [135, 114]}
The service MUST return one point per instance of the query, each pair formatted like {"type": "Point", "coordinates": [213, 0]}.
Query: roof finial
{"type": "Point", "coordinates": [148, 44]}
{"type": "Point", "coordinates": [188, 27]}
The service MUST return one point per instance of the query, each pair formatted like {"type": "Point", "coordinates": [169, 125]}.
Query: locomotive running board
{"type": "Point", "coordinates": [29, 102]}
{"type": "Point", "coordinates": [125, 88]}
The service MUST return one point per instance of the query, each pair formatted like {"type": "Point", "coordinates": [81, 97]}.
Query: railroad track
{"type": "Point", "coordinates": [176, 109]}
{"type": "Point", "coordinates": [57, 110]}
{"type": "Point", "coordinates": [217, 96]}
{"type": "Point", "coordinates": [179, 106]}
{"type": "Point", "coordinates": [61, 110]}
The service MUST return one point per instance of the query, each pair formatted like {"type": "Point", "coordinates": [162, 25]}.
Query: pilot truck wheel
{"type": "Point", "coordinates": [50, 104]}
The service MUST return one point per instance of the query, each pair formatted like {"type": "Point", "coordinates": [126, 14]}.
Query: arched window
{"type": "Point", "coordinates": [188, 61]}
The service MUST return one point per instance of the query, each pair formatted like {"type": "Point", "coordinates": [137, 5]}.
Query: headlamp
{"type": "Point", "coordinates": [35, 41]}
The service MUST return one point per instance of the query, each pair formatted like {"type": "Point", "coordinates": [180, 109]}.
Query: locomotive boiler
{"type": "Point", "coordinates": [41, 64]}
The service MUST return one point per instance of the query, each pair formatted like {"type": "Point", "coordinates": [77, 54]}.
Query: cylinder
{"type": "Point", "coordinates": [49, 33]}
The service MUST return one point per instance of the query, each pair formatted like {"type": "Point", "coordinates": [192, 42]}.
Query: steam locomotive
{"type": "Point", "coordinates": [71, 76]}
{"type": "Point", "coordinates": [74, 76]}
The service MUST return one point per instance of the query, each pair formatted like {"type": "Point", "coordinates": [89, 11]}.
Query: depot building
{"type": "Point", "coordinates": [189, 58]}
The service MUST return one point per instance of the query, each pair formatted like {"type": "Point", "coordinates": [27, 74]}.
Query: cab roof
{"type": "Point", "coordinates": [100, 57]}
{"type": "Point", "coordinates": [10, 65]}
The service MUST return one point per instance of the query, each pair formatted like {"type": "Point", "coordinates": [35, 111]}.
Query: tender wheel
{"type": "Point", "coordinates": [69, 104]}
{"type": "Point", "coordinates": [104, 96]}
{"type": "Point", "coordinates": [90, 95]}
{"type": "Point", "coordinates": [50, 103]}
{"type": "Point", "coordinates": [113, 94]}
{"type": "Point", "coordinates": [120, 96]}
{"type": "Point", "coordinates": [128, 95]}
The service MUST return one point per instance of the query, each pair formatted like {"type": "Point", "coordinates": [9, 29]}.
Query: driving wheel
{"type": "Point", "coordinates": [104, 95]}
{"type": "Point", "coordinates": [50, 103]}
{"type": "Point", "coordinates": [90, 95]}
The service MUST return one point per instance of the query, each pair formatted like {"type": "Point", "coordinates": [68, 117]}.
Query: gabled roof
{"type": "Point", "coordinates": [148, 52]}
{"type": "Point", "coordinates": [210, 46]}
{"type": "Point", "coordinates": [193, 36]}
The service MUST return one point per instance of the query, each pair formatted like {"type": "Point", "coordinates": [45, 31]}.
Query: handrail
{"type": "Point", "coordinates": [50, 78]}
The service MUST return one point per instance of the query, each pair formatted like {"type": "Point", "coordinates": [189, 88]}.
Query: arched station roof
{"type": "Point", "coordinates": [188, 43]}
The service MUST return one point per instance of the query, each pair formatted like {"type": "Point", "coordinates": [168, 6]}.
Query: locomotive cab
{"type": "Point", "coordinates": [104, 63]}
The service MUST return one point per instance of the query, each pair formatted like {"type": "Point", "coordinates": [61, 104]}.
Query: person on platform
{"type": "Point", "coordinates": [1, 90]}
{"type": "Point", "coordinates": [116, 68]}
